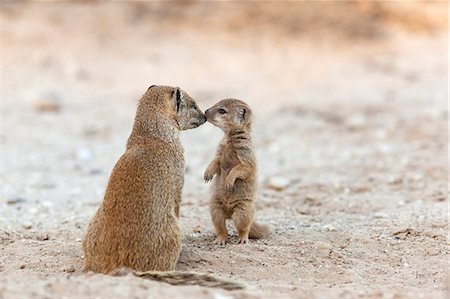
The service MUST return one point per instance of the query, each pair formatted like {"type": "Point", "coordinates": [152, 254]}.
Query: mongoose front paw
{"type": "Point", "coordinates": [209, 174]}
{"type": "Point", "coordinates": [220, 241]}
{"type": "Point", "coordinates": [229, 184]}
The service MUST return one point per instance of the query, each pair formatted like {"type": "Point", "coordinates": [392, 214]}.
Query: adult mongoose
{"type": "Point", "coordinates": [136, 226]}
{"type": "Point", "coordinates": [233, 192]}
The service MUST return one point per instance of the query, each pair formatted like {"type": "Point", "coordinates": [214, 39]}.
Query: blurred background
{"type": "Point", "coordinates": [350, 105]}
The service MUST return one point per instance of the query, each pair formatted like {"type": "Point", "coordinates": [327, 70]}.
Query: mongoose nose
{"type": "Point", "coordinates": [206, 113]}
{"type": "Point", "coordinates": [203, 120]}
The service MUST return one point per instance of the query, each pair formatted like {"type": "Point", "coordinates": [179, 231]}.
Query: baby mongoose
{"type": "Point", "coordinates": [136, 226]}
{"type": "Point", "coordinates": [234, 165]}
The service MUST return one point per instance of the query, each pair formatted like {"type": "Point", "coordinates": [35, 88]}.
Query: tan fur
{"type": "Point", "coordinates": [136, 226]}
{"type": "Point", "coordinates": [234, 166]}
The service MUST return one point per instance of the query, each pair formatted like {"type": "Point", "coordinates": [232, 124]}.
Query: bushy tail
{"type": "Point", "coordinates": [258, 231]}
{"type": "Point", "coordinates": [190, 278]}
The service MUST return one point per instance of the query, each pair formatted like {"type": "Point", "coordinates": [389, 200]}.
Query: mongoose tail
{"type": "Point", "coordinates": [258, 231]}
{"type": "Point", "coordinates": [190, 278]}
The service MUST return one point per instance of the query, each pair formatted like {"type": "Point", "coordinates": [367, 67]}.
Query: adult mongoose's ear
{"type": "Point", "coordinates": [151, 87]}
{"type": "Point", "coordinates": [245, 115]}
{"type": "Point", "coordinates": [177, 98]}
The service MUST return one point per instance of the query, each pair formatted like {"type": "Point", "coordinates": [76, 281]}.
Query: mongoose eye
{"type": "Point", "coordinates": [221, 111]}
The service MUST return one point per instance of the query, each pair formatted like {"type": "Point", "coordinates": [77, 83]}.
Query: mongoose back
{"type": "Point", "coordinates": [234, 166]}
{"type": "Point", "coordinates": [136, 226]}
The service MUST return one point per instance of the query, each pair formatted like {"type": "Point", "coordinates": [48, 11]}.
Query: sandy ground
{"type": "Point", "coordinates": [350, 133]}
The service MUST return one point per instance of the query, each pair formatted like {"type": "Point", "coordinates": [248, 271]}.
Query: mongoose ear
{"type": "Point", "coordinates": [150, 87]}
{"type": "Point", "coordinates": [177, 98]}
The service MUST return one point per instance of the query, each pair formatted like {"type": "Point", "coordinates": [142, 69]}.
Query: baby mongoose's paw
{"type": "Point", "coordinates": [209, 174]}
{"type": "Point", "coordinates": [220, 241]}
{"type": "Point", "coordinates": [243, 241]}
{"type": "Point", "coordinates": [229, 184]}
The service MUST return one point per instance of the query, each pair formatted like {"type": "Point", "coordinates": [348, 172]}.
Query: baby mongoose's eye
{"type": "Point", "coordinates": [221, 111]}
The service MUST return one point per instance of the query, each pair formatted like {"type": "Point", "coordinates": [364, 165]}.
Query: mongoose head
{"type": "Point", "coordinates": [229, 114]}
{"type": "Point", "coordinates": [176, 104]}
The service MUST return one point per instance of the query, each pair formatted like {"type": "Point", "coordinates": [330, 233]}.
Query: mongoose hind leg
{"type": "Point", "coordinates": [242, 217]}
{"type": "Point", "coordinates": [218, 219]}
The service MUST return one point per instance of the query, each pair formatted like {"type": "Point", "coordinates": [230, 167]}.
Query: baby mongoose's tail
{"type": "Point", "coordinates": [258, 231]}
{"type": "Point", "coordinates": [190, 278]}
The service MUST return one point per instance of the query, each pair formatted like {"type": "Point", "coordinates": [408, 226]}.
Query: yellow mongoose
{"type": "Point", "coordinates": [136, 226]}
{"type": "Point", "coordinates": [235, 168]}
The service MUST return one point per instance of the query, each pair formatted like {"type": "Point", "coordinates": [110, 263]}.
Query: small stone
{"type": "Point", "coordinates": [78, 239]}
{"type": "Point", "coordinates": [380, 215]}
{"type": "Point", "coordinates": [322, 246]}
{"type": "Point", "coordinates": [278, 183]}
{"type": "Point", "coordinates": [22, 266]}
{"type": "Point", "coordinates": [394, 180]}
{"type": "Point", "coordinates": [50, 103]}
{"type": "Point", "coordinates": [43, 237]}
{"type": "Point", "coordinates": [15, 200]}
{"type": "Point", "coordinates": [401, 203]}
{"type": "Point", "coordinates": [27, 225]}
{"type": "Point", "coordinates": [69, 269]}
{"type": "Point", "coordinates": [329, 227]}
{"type": "Point", "coordinates": [95, 171]}
{"type": "Point", "coordinates": [84, 154]}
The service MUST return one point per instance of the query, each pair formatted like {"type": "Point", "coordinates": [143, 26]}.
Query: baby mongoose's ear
{"type": "Point", "coordinates": [177, 98]}
{"type": "Point", "coordinates": [150, 87]}
{"type": "Point", "coordinates": [245, 115]}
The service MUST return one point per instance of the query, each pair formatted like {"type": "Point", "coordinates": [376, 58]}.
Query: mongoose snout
{"type": "Point", "coordinates": [200, 120]}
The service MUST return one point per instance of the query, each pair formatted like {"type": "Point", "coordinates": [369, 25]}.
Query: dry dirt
{"type": "Point", "coordinates": [350, 131]}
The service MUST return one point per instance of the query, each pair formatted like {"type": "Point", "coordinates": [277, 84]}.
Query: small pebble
{"type": "Point", "coordinates": [43, 237]}
{"type": "Point", "coordinates": [69, 269]}
{"type": "Point", "coordinates": [278, 183]}
{"type": "Point", "coordinates": [84, 154]}
{"type": "Point", "coordinates": [27, 225]}
{"type": "Point", "coordinates": [329, 227]}
{"type": "Point", "coordinates": [95, 171]}
{"type": "Point", "coordinates": [15, 200]}
{"type": "Point", "coordinates": [322, 245]}
{"type": "Point", "coordinates": [50, 103]}
{"type": "Point", "coordinates": [380, 215]}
